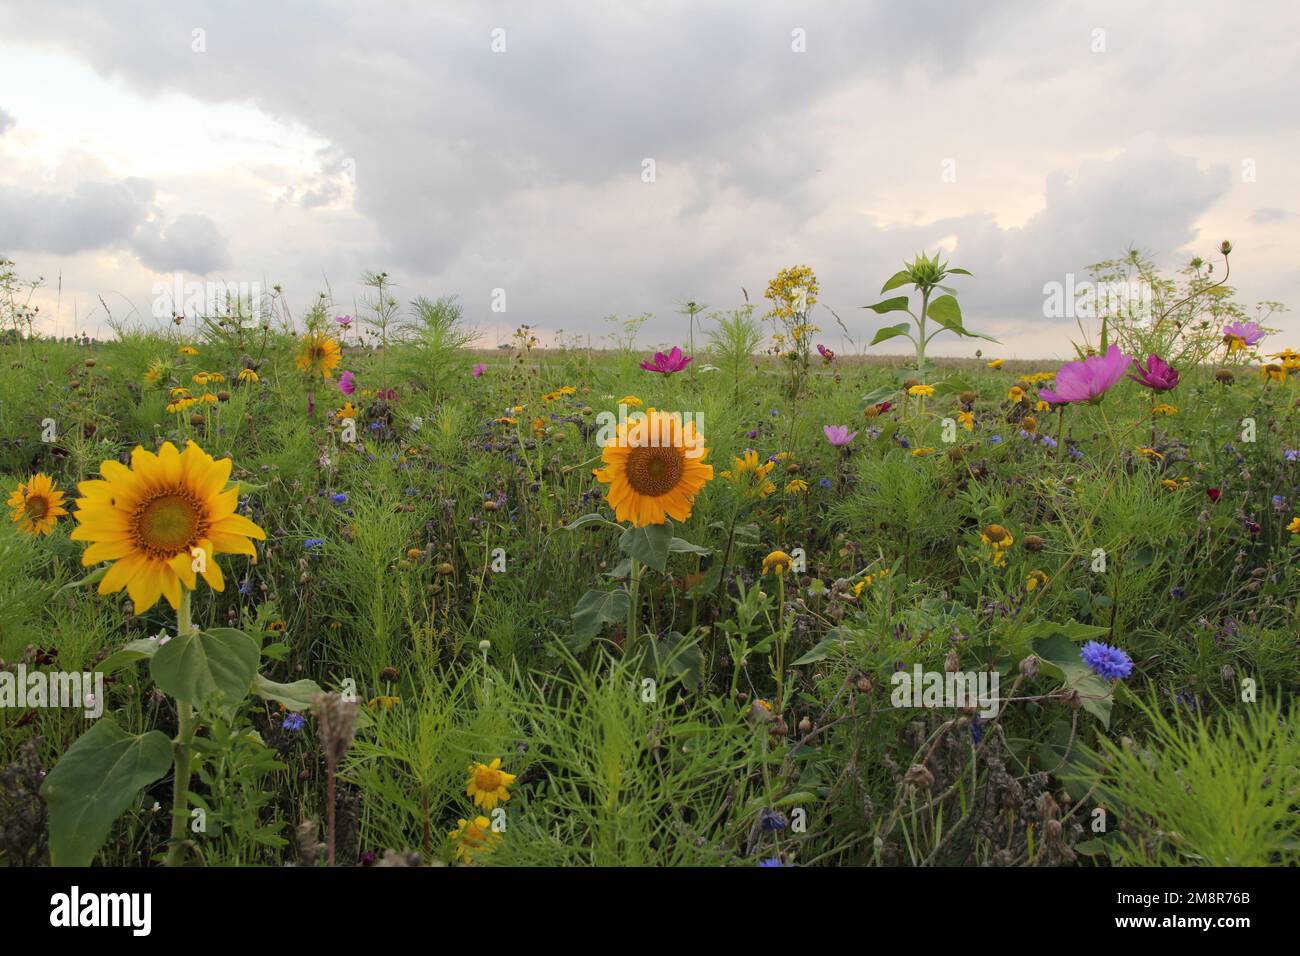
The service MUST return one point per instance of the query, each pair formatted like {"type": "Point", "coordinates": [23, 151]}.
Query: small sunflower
{"type": "Point", "coordinates": [750, 475]}
{"type": "Point", "coordinates": [1035, 580]}
{"type": "Point", "coordinates": [796, 486]}
{"type": "Point", "coordinates": [248, 375]}
{"type": "Point", "coordinates": [188, 350]}
{"type": "Point", "coordinates": [318, 355]}
{"type": "Point", "coordinates": [654, 467]}
{"type": "Point", "coordinates": [997, 537]}
{"type": "Point", "coordinates": [967, 420]}
{"type": "Point", "coordinates": [1294, 526]}
{"type": "Point", "coordinates": [488, 784]}
{"type": "Point", "coordinates": [921, 391]}
{"type": "Point", "coordinates": [149, 519]}
{"type": "Point", "coordinates": [36, 505]}
{"type": "Point", "coordinates": [631, 401]}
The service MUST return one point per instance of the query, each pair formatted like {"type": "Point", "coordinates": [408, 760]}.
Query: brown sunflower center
{"type": "Point", "coordinates": [169, 523]}
{"type": "Point", "coordinates": [654, 471]}
{"type": "Point", "coordinates": [37, 507]}
{"type": "Point", "coordinates": [487, 779]}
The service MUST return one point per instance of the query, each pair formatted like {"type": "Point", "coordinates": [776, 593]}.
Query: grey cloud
{"type": "Point", "coordinates": [189, 243]}
{"type": "Point", "coordinates": [93, 216]}
{"type": "Point", "coordinates": [6, 121]}
{"type": "Point", "coordinates": [1268, 215]}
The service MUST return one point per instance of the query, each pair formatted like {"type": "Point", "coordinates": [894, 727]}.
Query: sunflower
{"type": "Point", "coordinates": [920, 391]}
{"type": "Point", "coordinates": [151, 518]}
{"type": "Point", "coordinates": [488, 784]}
{"type": "Point", "coordinates": [654, 467]}
{"type": "Point", "coordinates": [1294, 526]}
{"type": "Point", "coordinates": [318, 355]}
{"type": "Point", "coordinates": [188, 350]}
{"type": "Point", "coordinates": [248, 375]}
{"type": "Point", "coordinates": [36, 505]}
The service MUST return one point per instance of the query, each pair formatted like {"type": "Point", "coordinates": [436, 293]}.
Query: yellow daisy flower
{"type": "Point", "coordinates": [796, 486]}
{"type": "Point", "coordinates": [473, 838]}
{"type": "Point", "coordinates": [188, 350]}
{"type": "Point", "coordinates": [778, 563]}
{"type": "Point", "coordinates": [248, 375]}
{"type": "Point", "coordinates": [488, 784]}
{"type": "Point", "coordinates": [996, 363]}
{"type": "Point", "coordinates": [318, 354]}
{"type": "Point", "coordinates": [921, 391]}
{"type": "Point", "coordinates": [631, 401]}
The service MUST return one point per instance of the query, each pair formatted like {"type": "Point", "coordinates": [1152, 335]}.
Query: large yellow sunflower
{"type": "Point", "coordinates": [149, 519]}
{"type": "Point", "coordinates": [319, 355]}
{"type": "Point", "coordinates": [654, 467]}
{"type": "Point", "coordinates": [36, 505]}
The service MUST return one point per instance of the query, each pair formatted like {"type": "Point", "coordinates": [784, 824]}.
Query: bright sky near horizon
{"type": "Point", "coordinates": [466, 149]}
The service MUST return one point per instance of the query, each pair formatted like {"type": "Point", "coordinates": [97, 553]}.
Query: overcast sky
{"type": "Point", "coordinates": [468, 147]}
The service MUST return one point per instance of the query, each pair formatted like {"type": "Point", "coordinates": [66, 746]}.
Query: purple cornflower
{"type": "Point", "coordinates": [1106, 661]}
{"type": "Point", "coordinates": [294, 722]}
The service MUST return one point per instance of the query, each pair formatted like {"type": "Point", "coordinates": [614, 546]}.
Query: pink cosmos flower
{"type": "Point", "coordinates": [1157, 374]}
{"type": "Point", "coordinates": [478, 370]}
{"type": "Point", "coordinates": [838, 435]}
{"type": "Point", "coordinates": [674, 361]}
{"type": "Point", "coordinates": [826, 353]}
{"type": "Point", "coordinates": [1239, 334]}
{"type": "Point", "coordinates": [347, 383]}
{"type": "Point", "coordinates": [1088, 380]}
{"type": "Point", "coordinates": [344, 320]}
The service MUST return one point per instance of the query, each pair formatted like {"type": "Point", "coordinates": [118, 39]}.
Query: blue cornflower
{"type": "Point", "coordinates": [995, 439]}
{"type": "Point", "coordinates": [826, 483]}
{"type": "Point", "coordinates": [1279, 503]}
{"type": "Point", "coordinates": [771, 820]}
{"type": "Point", "coordinates": [1106, 661]}
{"type": "Point", "coordinates": [339, 499]}
{"type": "Point", "coordinates": [311, 544]}
{"type": "Point", "coordinates": [1292, 454]}
{"type": "Point", "coordinates": [1048, 440]}
{"type": "Point", "coordinates": [771, 861]}
{"type": "Point", "coordinates": [976, 730]}
{"type": "Point", "coordinates": [294, 722]}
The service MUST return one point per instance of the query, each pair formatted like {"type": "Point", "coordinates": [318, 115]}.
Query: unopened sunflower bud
{"type": "Point", "coordinates": [969, 397]}
{"type": "Point", "coordinates": [490, 505]}
{"type": "Point", "coordinates": [1224, 377]}
{"type": "Point", "coordinates": [414, 554]}
{"type": "Point", "coordinates": [1225, 247]}
{"type": "Point", "coordinates": [1033, 542]}
{"type": "Point", "coordinates": [390, 674]}
{"type": "Point", "coordinates": [445, 568]}
{"type": "Point", "coordinates": [196, 420]}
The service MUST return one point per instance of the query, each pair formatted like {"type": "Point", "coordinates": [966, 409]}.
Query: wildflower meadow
{"type": "Point", "coordinates": [348, 588]}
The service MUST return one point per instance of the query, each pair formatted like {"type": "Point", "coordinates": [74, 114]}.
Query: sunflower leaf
{"type": "Point", "coordinates": [211, 669]}
{"type": "Point", "coordinates": [94, 782]}
{"type": "Point", "coordinates": [649, 544]}
{"type": "Point", "coordinates": [594, 610]}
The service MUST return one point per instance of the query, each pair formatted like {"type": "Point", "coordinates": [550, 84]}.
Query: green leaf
{"type": "Point", "coordinates": [586, 519]}
{"type": "Point", "coordinates": [207, 668]}
{"type": "Point", "coordinates": [947, 313]}
{"type": "Point", "coordinates": [92, 784]}
{"type": "Point", "coordinates": [682, 546]}
{"type": "Point", "coordinates": [679, 656]}
{"type": "Point", "coordinates": [594, 610]}
{"type": "Point", "coordinates": [882, 394]}
{"type": "Point", "coordinates": [648, 544]}
{"type": "Point", "coordinates": [94, 577]}
{"type": "Point", "coordinates": [129, 653]}
{"type": "Point", "coordinates": [837, 638]}
{"type": "Point", "coordinates": [896, 304]}
{"type": "Point", "coordinates": [959, 272]}
{"type": "Point", "coordinates": [1061, 657]}
{"type": "Point", "coordinates": [891, 332]}
{"type": "Point", "coordinates": [894, 281]}
{"type": "Point", "coordinates": [297, 696]}
{"type": "Point", "coordinates": [953, 385]}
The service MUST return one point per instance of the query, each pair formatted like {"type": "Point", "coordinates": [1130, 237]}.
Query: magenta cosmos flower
{"type": "Point", "coordinates": [344, 320]}
{"type": "Point", "coordinates": [1157, 374]}
{"type": "Point", "coordinates": [478, 370]}
{"type": "Point", "coordinates": [1238, 335]}
{"type": "Point", "coordinates": [1088, 380]}
{"type": "Point", "coordinates": [347, 383]}
{"type": "Point", "coordinates": [838, 435]}
{"type": "Point", "coordinates": [674, 361]}
{"type": "Point", "coordinates": [826, 353]}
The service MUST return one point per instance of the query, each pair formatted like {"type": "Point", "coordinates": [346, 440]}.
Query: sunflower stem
{"type": "Point", "coordinates": [182, 749]}
{"type": "Point", "coordinates": [633, 600]}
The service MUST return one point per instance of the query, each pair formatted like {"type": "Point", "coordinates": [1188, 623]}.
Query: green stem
{"type": "Point", "coordinates": [633, 602]}
{"type": "Point", "coordinates": [182, 749]}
